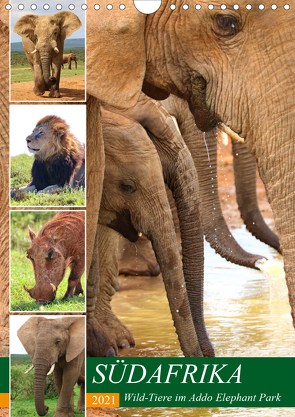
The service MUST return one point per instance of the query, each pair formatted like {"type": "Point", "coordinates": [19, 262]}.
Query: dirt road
{"type": "Point", "coordinates": [71, 89]}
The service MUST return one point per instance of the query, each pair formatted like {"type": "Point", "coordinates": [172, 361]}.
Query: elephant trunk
{"type": "Point", "coordinates": [277, 170]}
{"type": "Point", "coordinates": [164, 243]}
{"type": "Point", "coordinates": [245, 182]}
{"type": "Point", "coordinates": [45, 57]}
{"type": "Point", "coordinates": [41, 369]}
{"type": "Point", "coordinates": [204, 152]}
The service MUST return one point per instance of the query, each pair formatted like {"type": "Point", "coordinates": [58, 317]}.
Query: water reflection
{"type": "Point", "coordinates": [243, 317]}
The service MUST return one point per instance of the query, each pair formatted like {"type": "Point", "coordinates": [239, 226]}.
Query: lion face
{"type": "Point", "coordinates": [46, 141]}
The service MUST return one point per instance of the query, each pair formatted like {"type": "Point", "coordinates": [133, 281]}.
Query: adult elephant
{"type": "Point", "coordinates": [134, 201]}
{"type": "Point", "coordinates": [43, 42]}
{"type": "Point", "coordinates": [223, 63]}
{"type": "Point", "coordinates": [56, 345]}
{"type": "Point", "coordinates": [204, 151]}
{"type": "Point", "coordinates": [67, 59]}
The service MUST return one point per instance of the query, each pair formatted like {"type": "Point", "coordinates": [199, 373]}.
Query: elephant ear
{"type": "Point", "coordinates": [26, 334]}
{"type": "Point", "coordinates": [77, 339]}
{"type": "Point", "coordinates": [115, 54]}
{"type": "Point", "coordinates": [69, 23]}
{"type": "Point", "coordinates": [25, 27]}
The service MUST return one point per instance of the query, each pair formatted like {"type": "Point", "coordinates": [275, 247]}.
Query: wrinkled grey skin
{"type": "Point", "coordinates": [43, 42]}
{"type": "Point", "coordinates": [134, 199]}
{"type": "Point", "coordinates": [61, 342]}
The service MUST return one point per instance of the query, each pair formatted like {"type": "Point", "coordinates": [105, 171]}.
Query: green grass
{"type": "Point", "coordinates": [21, 71]}
{"type": "Point", "coordinates": [20, 175]}
{"type": "Point", "coordinates": [21, 271]}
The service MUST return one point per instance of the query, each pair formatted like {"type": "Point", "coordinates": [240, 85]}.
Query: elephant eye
{"type": "Point", "coordinates": [57, 342]}
{"type": "Point", "coordinates": [128, 188]}
{"type": "Point", "coordinates": [226, 25]}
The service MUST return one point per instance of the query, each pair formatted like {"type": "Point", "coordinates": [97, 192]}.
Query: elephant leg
{"type": "Point", "coordinates": [108, 333]}
{"type": "Point", "coordinates": [81, 401]}
{"type": "Point", "coordinates": [57, 376]}
{"type": "Point", "coordinates": [69, 64]}
{"type": "Point", "coordinates": [245, 182]}
{"type": "Point", "coordinates": [54, 90]}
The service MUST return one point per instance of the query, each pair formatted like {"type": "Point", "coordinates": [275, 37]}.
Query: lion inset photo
{"type": "Point", "coordinates": [47, 150]}
{"type": "Point", "coordinates": [47, 260]}
{"type": "Point", "coordinates": [47, 47]}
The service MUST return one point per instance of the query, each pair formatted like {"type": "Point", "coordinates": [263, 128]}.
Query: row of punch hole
{"type": "Point", "coordinates": [122, 6]}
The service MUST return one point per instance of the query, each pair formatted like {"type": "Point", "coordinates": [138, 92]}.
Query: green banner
{"type": "Point", "coordinates": [190, 382]}
{"type": "Point", "coordinates": [4, 379]}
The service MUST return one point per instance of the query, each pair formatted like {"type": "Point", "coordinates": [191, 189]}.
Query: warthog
{"type": "Point", "coordinates": [59, 244]}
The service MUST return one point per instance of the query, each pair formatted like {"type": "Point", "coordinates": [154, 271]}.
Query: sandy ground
{"type": "Point", "coordinates": [71, 89]}
{"type": "Point", "coordinates": [102, 412]}
{"type": "Point", "coordinates": [4, 412]}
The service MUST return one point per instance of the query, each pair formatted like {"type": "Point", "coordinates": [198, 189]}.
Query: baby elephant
{"type": "Point", "coordinates": [59, 244]}
{"type": "Point", "coordinates": [58, 346]}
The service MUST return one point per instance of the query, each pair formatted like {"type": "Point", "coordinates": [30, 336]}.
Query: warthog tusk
{"type": "Point", "coordinates": [56, 50]}
{"type": "Point", "coordinates": [53, 287]}
{"type": "Point", "coordinates": [51, 369]}
{"type": "Point", "coordinates": [230, 132]}
{"type": "Point", "coordinates": [25, 288]}
{"type": "Point", "coordinates": [32, 53]}
{"type": "Point", "coordinates": [29, 370]}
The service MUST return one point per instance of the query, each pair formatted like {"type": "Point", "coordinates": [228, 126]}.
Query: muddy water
{"type": "Point", "coordinates": [246, 312]}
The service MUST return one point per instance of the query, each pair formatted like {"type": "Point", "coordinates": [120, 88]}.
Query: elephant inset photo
{"type": "Point", "coordinates": [48, 365]}
{"type": "Point", "coordinates": [44, 43]}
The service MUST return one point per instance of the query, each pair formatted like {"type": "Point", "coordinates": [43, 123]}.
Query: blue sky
{"type": "Point", "coordinates": [23, 119]}
{"type": "Point", "coordinates": [16, 14]}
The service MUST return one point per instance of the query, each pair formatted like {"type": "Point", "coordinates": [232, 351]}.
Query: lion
{"type": "Point", "coordinates": [59, 156]}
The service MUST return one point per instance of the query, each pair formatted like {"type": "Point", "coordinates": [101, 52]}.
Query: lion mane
{"type": "Point", "coordinates": [61, 160]}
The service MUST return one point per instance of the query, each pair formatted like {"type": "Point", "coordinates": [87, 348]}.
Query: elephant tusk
{"type": "Point", "coordinates": [53, 287]}
{"type": "Point", "coordinates": [51, 369]}
{"type": "Point", "coordinates": [56, 50]}
{"type": "Point", "coordinates": [32, 53]}
{"type": "Point", "coordinates": [29, 370]}
{"type": "Point", "coordinates": [139, 234]}
{"type": "Point", "coordinates": [229, 132]}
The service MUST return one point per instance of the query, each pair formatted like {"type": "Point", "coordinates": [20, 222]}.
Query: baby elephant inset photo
{"type": "Point", "coordinates": [58, 246]}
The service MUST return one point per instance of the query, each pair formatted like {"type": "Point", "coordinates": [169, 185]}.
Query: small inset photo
{"type": "Point", "coordinates": [47, 155]}
{"type": "Point", "coordinates": [47, 261]}
{"type": "Point", "coordinates": [47, 373]}
{"type": "Point", "coordinates": [47, 51]}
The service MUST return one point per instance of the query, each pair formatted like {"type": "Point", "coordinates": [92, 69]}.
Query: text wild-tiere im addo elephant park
{"type": "Point", "coordinates": [147, 197]}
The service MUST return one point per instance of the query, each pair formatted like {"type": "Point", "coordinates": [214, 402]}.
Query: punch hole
{"type": "Point", "coordinates": [210, 6]}
{"type": "Point", "coordinates": [236, 7]}
{"type": "Point", "coordinates": [172, 7]}
{"type": "Point", "coordinates": [34, 6]}
{"type": "Point", "coordinates": [185, 6]}
{"type": "Point", "coordinates": [46, 6]}
{"type": "Point", "coordinates": [58, 7]}
{"type": "Point", "coordinates": [248, 7]}
{"type": "Point", "coordinates": [223, 7]}
{"type": "Point", "coordinates": [71, 6]}
{"type": "Point", "coordinates": [96, 7]}
{"type": "Point", "coordinates": [21, 7]}
{"type": "Point", "coordinates": [147, 6]}
{"type": "Point", "coordinates": [274, 7]}
{"type": "Point", "coordinates": [261, 6]}
{"type": "Point", "coordinates": [198, 7]}
{"type": "Point", "coordinates": [84, 7]}
{"type": "Point", "coordinates": [122, 6]}
{"type": "Point", "coordinates": [109, 6]}
{"type": "Point", "coordinates": [8, 7]}
{"type": "Point", "coordinates": [287, 7]}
